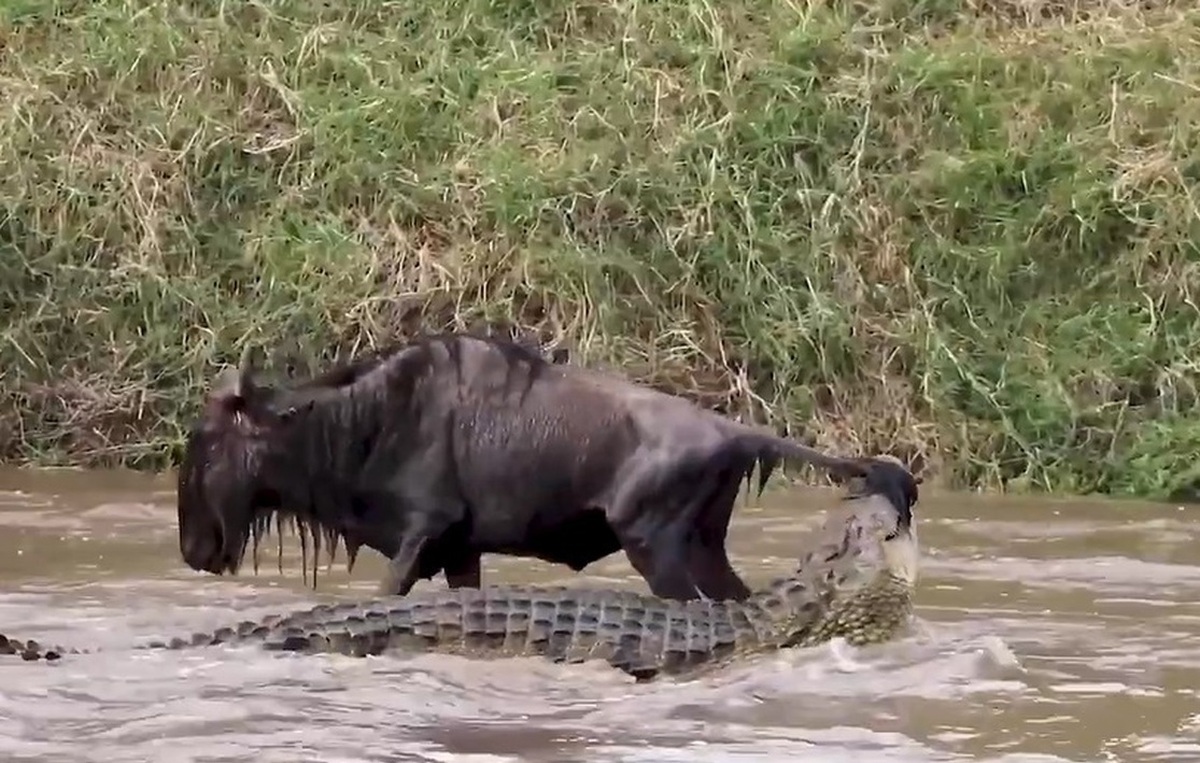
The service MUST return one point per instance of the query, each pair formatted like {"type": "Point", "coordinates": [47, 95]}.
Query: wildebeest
{"type": "Point", "coordinates": [454, 445]}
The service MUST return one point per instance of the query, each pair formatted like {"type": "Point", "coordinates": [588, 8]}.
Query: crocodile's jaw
{"type": "Point", "coordinates": [902, 555]}
{"type": "Point", "coordinates": [882, 609]}
{"type": "Point", "coordinates": [866, 597]}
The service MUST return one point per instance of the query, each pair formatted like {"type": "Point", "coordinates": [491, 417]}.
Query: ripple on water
{"type": "Point", "coordinates": [1068, 635]}
{"type": "Point", "coordinates": [122, 705]}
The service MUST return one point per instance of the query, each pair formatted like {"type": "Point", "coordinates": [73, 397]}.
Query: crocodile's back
{"type": "Point", "coordinates": [639, 634]}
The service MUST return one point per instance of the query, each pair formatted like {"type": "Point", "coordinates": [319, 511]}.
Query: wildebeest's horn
{"type": "Point", "coordinates": [245, 368]}
{"type": "Point", "coordinates": [226, 384]}
{"type": "Point", "coordinates": [234, 382]}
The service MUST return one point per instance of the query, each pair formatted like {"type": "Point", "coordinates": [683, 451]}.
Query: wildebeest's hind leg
{"type": "Point", "coordinates": [654, 531]}
{"type": "Point", "coordinates": [661, 558]}
{"type": "Point", "coordinates": [708, 556]}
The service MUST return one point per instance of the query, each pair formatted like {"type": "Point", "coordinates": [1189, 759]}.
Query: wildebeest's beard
{"type": "Point", "coordinates": [314, 538]}
{"type": "Point", "coordinates": [290, 498]}
{"type": "Point", "coordinates": [317, 435]}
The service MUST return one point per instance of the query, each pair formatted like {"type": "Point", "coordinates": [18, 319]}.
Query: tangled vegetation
{"type": "Point", "coordinates": [964, 231]}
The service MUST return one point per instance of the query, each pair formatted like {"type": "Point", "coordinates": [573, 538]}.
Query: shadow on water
{"type": "Point", "coordinates": [1053, 631]}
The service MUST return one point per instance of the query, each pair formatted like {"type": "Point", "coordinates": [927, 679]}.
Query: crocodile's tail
{"type": "Point", "coordinates": [31, 651]}
{"type": "Point", "coordinates": [247, 630]}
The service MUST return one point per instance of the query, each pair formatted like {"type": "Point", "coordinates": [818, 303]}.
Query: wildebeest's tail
{"type": "Point", "coordinates": [769, 450]}
{"type": "Point", "coordinates": [884, 475]}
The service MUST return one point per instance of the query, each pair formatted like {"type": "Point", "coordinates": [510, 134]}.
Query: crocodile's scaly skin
{"type": "Point", "coordinates": [851, 583]}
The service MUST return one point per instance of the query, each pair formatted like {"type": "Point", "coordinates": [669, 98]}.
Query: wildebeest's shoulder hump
{"type": "Point", "coordinates": [464, 350]}
{"type": "Point", "coordinates": [648, 415]}
{"type": "Point", "coordinates": [512, 350]}
{"type": "Point", "coordinates": [615, 386]}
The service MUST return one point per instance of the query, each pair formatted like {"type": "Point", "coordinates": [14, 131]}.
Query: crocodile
{"type": "Point", "coordinates": [855, 580]}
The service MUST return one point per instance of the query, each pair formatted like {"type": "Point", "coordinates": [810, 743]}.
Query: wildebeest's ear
{"type": "Point", "coordinates": [227, 384]}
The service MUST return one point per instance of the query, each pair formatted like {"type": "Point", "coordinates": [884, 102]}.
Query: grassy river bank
{"type": "Point", "coordinates": [961, 230]}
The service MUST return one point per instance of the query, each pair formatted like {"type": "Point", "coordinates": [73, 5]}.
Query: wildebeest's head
{"type": "Point", "coordinates": [220, 491]}
{"type": "Point", "coordinates": [246, 463]}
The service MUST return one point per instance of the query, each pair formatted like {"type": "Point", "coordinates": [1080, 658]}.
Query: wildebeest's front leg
{"type": "Point", "coordinates": [659, 553]}
{"type": "Point", "coordinates": [402, 569]}
{"type": "Point", "coordinates": [410, 507]}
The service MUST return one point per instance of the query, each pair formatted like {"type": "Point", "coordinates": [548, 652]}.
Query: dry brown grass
{"type": "Point", "coordinates": [962, 231]}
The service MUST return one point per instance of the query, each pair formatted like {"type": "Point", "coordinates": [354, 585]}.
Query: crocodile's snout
{"type": "Point", "coordinates": [902, 554]}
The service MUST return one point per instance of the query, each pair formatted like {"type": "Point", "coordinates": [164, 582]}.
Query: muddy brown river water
{"type": "Point", "coordinates": [1051, 630]}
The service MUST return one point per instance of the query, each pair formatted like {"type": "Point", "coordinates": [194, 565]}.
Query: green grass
{"type": "Point", "coordinates": [958, 230]}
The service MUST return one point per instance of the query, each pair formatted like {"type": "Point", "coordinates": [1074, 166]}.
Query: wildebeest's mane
{"type": "Point", "coordinates": [334, 425]}
{"type": "Point", "coordinates": [514, 351]}
{"type": "Point", "coordinates": [523, 363]}
{"type": "Point", "coordinates": [346, 372]}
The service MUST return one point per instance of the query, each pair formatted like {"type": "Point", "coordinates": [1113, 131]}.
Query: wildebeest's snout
{"type": "Point", "coordinates": [202, 549]}
{"type": "Point", "coordinates": [203, 534]}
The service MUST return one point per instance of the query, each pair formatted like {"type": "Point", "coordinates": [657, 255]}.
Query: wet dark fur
{"type": "Point", "coordinates": [453, 446]}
